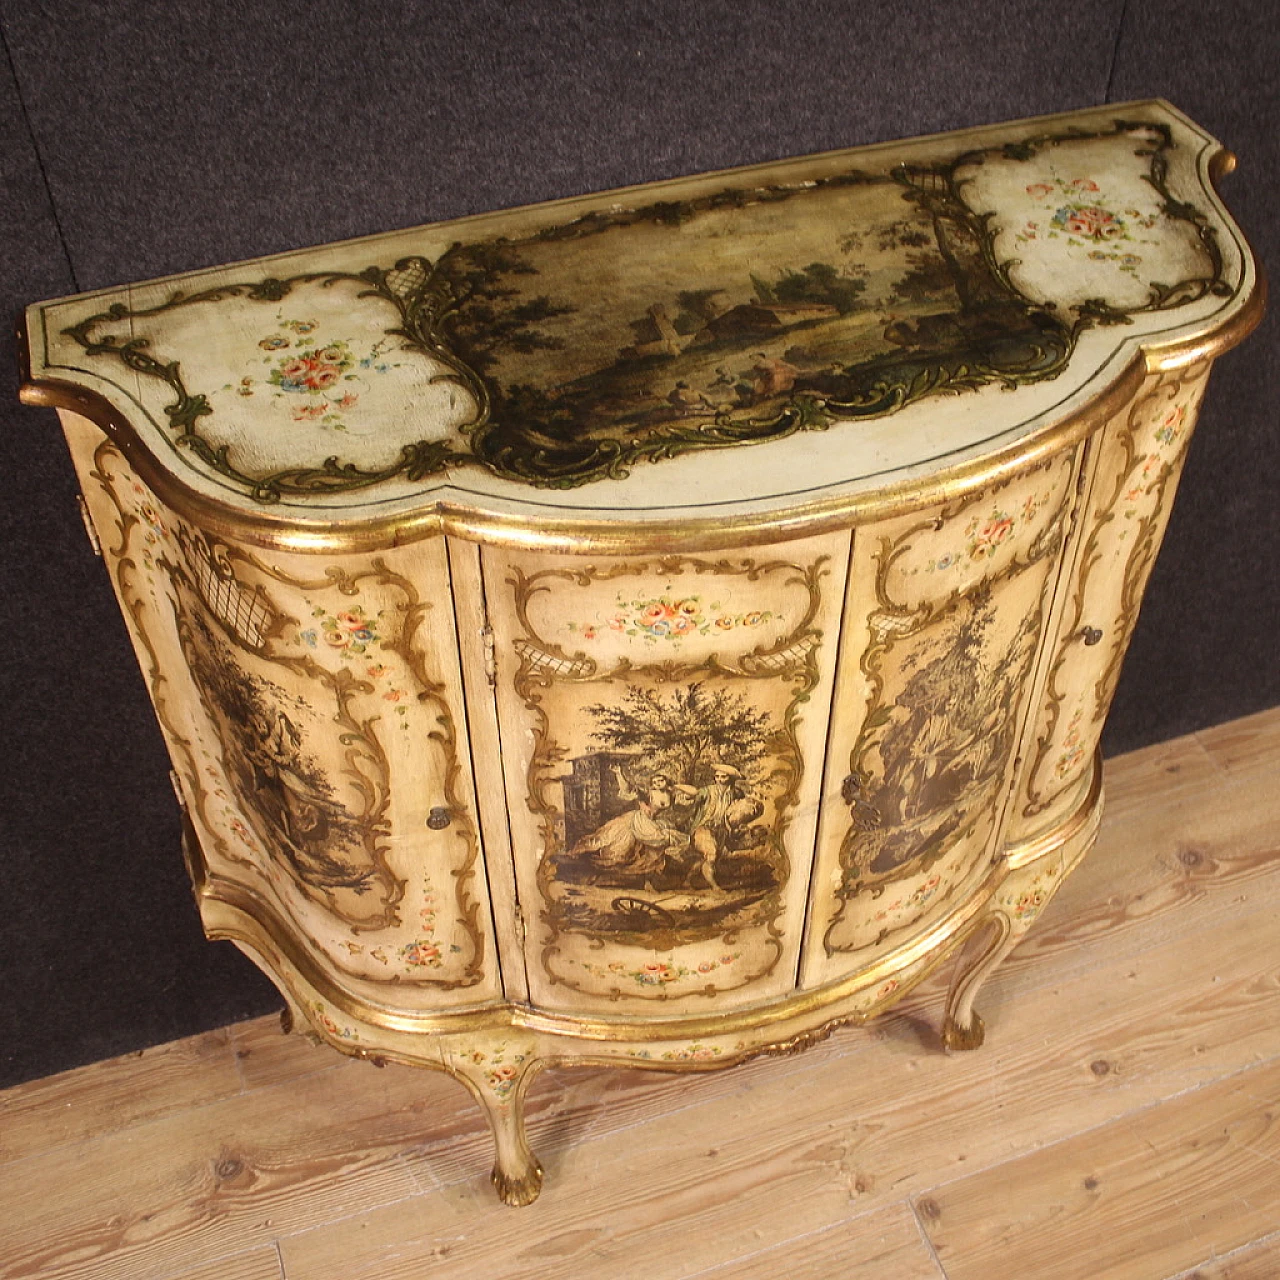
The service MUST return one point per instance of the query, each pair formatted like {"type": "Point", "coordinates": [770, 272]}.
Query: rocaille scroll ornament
{"type": "Point", "coordinates": [501, 748]}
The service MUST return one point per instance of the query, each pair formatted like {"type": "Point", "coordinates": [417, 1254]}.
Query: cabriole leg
{"type": "Point", "coordinates": [963, 1027]}
{"type": "Point", "coordinates": [498, 1073]}
{"type": "Point", "coordinates": [1017, 905]}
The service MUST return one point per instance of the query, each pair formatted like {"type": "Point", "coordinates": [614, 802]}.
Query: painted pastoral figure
{"type": "Point", "coordinates": [637, 841]}
{"type": "Point", "coordinates": [718, 809]}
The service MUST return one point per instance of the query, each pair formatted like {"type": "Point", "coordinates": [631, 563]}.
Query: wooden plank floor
{"type": "Point", "coordinates": [1121, 1121]}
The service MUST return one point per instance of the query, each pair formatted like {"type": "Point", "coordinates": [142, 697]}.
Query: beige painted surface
{"type": "Point", "coordinates": [221, 1155]}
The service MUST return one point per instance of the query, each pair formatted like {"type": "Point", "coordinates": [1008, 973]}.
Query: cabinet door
{"type": "Point", "coordinates": [663, 725]}
{"type": "Point", "coordinates": [313, 709]}
{"type": "Point", "coordinates": [943, 623]}
{"type": "Point", "coordinates": [1135, 473]}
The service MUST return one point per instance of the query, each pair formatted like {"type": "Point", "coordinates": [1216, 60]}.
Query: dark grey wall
{"type": "Point", "coordinates": [138, 139]}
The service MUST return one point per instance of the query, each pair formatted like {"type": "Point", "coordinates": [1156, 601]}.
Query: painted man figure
{"type": "Point", "coordinates": [712, 817]}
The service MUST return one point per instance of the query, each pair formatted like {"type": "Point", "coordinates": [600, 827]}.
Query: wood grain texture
{"type": "Point", "coordinates": [1245, 746]}
{"type": "Point", "coordinates": [1151, 1192]}
{"type": "Point", "coordinates": [260, 1264]}
{"type": "Point", "coordinates": [1139, 1048]}
{"type": "Point", "coordinates": [169, 1193]}
{"type": "Point", "coordinates": [1257, 1261]}
{"type": "Point", "coordinates": [885, 1244]}
{"type": "Point", "coordinates": [115, 1095]}
{"type": "Point", "coordinates": [790, 1146]}
{"type": "Point", "coordinates": [266, 1057]}
{"type": "Point", "coordinates": [1202, 848]}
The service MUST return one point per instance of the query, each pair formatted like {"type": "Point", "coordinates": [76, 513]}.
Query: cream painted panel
{"type": "Point", "coordinates": [313, 707]}
{"type": "Point", "coordinates": [663, 724]}
{"type": "Point", "coordinates": [1140, 457]}
{"type": "Point", "coordinates": [943, 621]}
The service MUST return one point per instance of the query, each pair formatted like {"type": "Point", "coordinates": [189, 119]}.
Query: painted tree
{"type": "Point", "coordinates": [486, 315]}
{"type": "Point", "coordinates": [686, 732]}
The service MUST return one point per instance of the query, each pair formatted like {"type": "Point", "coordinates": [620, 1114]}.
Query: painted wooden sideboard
{"type": "Point", "coordinates": [656, 627]}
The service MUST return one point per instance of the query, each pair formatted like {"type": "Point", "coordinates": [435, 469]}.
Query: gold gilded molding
{"type": "Point", "coordinates": [122, 563]}
{"type": "Point", "coordinates": [1164, 388]}
{"type": "Point", "coordinates": [791, 658]}
{"type": "Point", "coordinates": [967, 611]}
{"type": "Point", "coordinates": [229, 912]}
{"type": "Point", "coordinates": [581, 535]}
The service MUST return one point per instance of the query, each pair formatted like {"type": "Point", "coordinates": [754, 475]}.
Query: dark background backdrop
{"type": "Point", "coordinates": [139, 139]}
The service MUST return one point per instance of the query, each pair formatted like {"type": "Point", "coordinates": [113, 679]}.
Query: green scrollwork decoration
{"type": "Point", "coordinates": [473, 312]}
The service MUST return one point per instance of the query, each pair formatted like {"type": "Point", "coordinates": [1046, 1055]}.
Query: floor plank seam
{"type": "Point", "coordinates": [364, 1211]}
{"type": "Point", "coordinates": [924, 1235]}
{"type": "Point", "coordinates": [1194, 1272]}
{"type": "Point", "coordinates": [725, 1263]}
{"type": "Point", "coordinates": [1124, 1117]}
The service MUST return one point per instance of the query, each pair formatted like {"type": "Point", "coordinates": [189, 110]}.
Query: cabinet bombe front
{"type": "Point", "coordinates": [656, 627]}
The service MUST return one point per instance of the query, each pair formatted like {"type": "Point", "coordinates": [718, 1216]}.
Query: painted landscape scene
{"type": "Point", "coordinates": [644, 333]}
{"type": "Point", "coordinates": [668, 817]}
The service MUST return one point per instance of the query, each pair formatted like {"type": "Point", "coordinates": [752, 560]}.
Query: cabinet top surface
{"type": "Point", "coordinates": [757, 348]}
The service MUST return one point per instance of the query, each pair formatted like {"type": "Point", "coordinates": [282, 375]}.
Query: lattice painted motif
{"type": "Point", "coordinates": [572, 353]}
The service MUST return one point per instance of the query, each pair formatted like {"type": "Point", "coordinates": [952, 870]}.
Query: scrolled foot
{"type": "Point", "coordinates": [954, 1036]}
{"type": "Point", "coordinates": [518, 1189]}
{"type": "Point", "coordinates": [497, 1069]}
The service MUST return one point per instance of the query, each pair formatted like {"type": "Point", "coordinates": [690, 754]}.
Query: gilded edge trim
{"type": "Point", "coordinates": [231, 913]}
{"type": "Point", "coordinates": [603, 536]}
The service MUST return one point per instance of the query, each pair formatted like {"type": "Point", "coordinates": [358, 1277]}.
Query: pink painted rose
{"type": "Point", "coordinates": [1090, 222]}
{"type": "Point", "coordinates": [421, 953]}
{"type": "Point", "coordinates": [997, 530]}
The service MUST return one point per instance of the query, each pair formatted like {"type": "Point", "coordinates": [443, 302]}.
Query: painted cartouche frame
{"type": "Point", "coordinates": [660, 627]}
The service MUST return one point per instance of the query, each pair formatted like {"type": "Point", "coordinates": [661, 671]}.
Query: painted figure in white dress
{"type": "Point", "coordinates": [637, 841]}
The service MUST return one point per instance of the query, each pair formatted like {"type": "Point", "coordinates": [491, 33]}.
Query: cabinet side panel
{"type": "Point", "coordinates": [1139, 457]}
{"type": "Point", "coordinates": [663, 723]}
{"type": "Point", "coordinates": [945, 614]}
{"type": "Point", "coordinates": [313, 710]}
